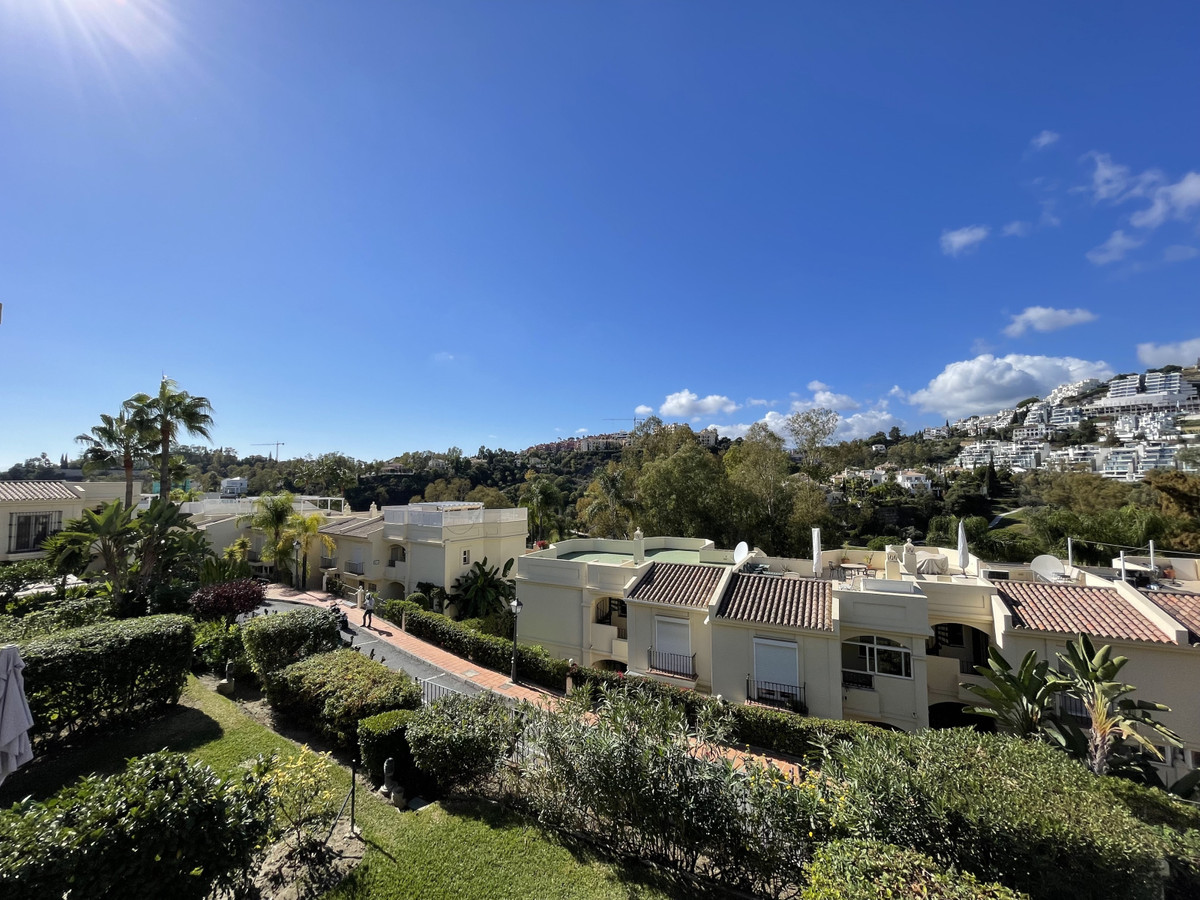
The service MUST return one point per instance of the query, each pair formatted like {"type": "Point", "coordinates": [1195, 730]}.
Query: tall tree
{"type": "Point", "coordinates": [606, 506]}
{"type": "Point", "coordinates": [170, 412]}
{"type": "Point", "coordinates": [124, 440]}
{"type": "Point", "coordinates": [306, 529]}
{"type": "Point", "coordinates": [811, 430]}
{"type": "Point", "coordinates": [1022, 699]}
{"type": "Point", "coordinates": [272, 513]}
{"type": "Point", "coordinates": [543, 500]}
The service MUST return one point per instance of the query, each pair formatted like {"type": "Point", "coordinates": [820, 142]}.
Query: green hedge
{"type": "Point", "coordinates": [163, 828]}
{"type": "Point", "coordinates": [333, 691]}
{"type": "Point", "coordinates": [275, 641]}
{"type": "Point", "coordinates": [58, 616]}
{"type": "Point", "coordinates": [112, 672]}
{"type": "Point", "coordinates": [534, 665]}
{"type": "Point", "coordinates": [1008, 810]}
{"type": "Point", "coordinates": [382, 736]}
{"type": "Point", "coordinates": [218, 643]}
{"type": "Point", "coordinates": [870, 870]}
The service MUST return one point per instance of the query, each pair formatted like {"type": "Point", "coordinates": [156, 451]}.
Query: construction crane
{"type": "Point", "coordinates": [275, 444]}
{"type": "Point", "coordinates": [634, 419]}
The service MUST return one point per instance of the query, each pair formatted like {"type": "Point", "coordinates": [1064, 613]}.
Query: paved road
{"type": "Point", "coordinates": [392, 657]}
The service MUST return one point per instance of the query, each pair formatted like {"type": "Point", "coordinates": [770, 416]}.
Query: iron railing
{"type": "Point", "coordinates": [355, 568]}
{"type": "Point", "coordinates": [967, 666]}
{"type": "Point", "coordinates": [774, 693]}
{"type": "Point", "coordinates": [862, 680]}
{"type": "Point", "coordinates": [431, 691]}
{"type": "Point", "coordinates": [671, 663]}
{"type": "Point", "coordinates": [328, 562]}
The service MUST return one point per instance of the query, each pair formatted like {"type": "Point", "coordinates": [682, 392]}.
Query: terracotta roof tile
{"type": "Point", "coordinates": [771, 600]}
{"type": "Point", "coordinates": [680, 584]}
{"type": "Point", "coordinates": [1182, 606]}
{"type": "Point", "coordinates": [1073, 609]}
{"type": "Point", "coordinates": [33, 491]}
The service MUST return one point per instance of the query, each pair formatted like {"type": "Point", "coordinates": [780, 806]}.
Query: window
{"type": "Point", "coordinates": [949, 634]}
{"type": "Point", "coordinates": [878, 655]}
{"type": "Point", "coordinates": [27, 531]}
{"type": "Point", "coordinates": [776, 662]}
{"type": "Point", "coordinates": [1195, 755]}
{"type": "Point", "coordinates": [672, 636]}
{"type": "Point", "coordinates": [398, 555]}
{"type": "Point", "coordinates": [466, 557]}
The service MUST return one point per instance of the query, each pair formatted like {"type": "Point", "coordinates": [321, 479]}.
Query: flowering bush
{"type": "Point", "coordinates": [227, 600]}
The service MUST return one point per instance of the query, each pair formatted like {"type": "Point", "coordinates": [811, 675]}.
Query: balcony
{"type": "Point", "coordinates": [328, 562]}
{"type": "Point", "coordinates": [679, 664]}
{"type": "Point", "coordinates": [355, 568]}
{"type": "Point", "coordinates": [772, 693]}
{"type": "Point", "coordinates": [863, 681]}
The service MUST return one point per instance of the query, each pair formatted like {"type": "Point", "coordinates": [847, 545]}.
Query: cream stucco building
{"type": "Point", "coordinates": [31, 511]}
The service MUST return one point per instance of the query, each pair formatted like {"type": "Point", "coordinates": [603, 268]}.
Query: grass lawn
{"type": "Point", "coordinates": [452, 851]}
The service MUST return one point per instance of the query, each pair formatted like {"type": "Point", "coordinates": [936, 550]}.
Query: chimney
{"type": "Point", "coordinates": [639, 547]}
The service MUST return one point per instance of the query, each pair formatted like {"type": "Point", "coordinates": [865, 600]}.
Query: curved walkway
{"type": "Point", "coordinates": [386, 633]}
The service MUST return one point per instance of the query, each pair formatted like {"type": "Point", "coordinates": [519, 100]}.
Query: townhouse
{"type": "Point", "coordinates": [31, 511]}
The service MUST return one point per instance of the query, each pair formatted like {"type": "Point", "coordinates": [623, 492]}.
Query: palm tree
{"type": "Point", "coordinates": [169, 412]}
{"type": "Point", "coordinates": [124, 440]}
{"type": "Point", "coordinates": [1022, 700]}
{"type": "Point", "coordinates": [605, 507]}
{"type": "Point", "coordinates": [304, 528]}
{"type": "Point", "coordinates": [543, 500]}
{"type": "Point", "coordinates": [1090, 677]}
{"type": "Point", "coordinates": [484, 589]}
{"type": "Point", "coordinates": [109, 533]}
{"type": "Point", "coordinates": [272, 513]}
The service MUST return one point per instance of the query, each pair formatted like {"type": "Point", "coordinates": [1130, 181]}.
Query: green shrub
{"type": "Point", "coordinates": [333, 691]}
{"type": "Point", "coordinates": [534, 665]}
{"type": "Point", "coordinates": [122, 671]}
{"type": "Point", "coordinates": [227, 599]}
{"type": "Point", "coordinates": [421, 600]}
{"type": "Point", "coordinates": [1009, 810]}
{"type": "Point", "coordinates": [460, 741]}
{"type": "Point", "coordinates": [870, 870]}
{"type": "Point", "coordinates": [218, 643]}
{"type": "Point", "coordinates": [275, 641]}
{"type": "Point", "coordinates": [60, 616]}
{"type": "Point", "coordinates": [796, 735]}
{"type": "Point", "coordinates": [163, 828]}
{"type": "Point", "coordinates": [471, 624]}
{"type": "Point", "coordinates": [382, 736]}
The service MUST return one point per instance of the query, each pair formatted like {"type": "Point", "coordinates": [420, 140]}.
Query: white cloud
{"type": "Point", "coordinates": [752, 401]}
{"type": "Point", "coordinates": [644, 410]}
{"type": "Point", "coordinates": [987, 383]}
{"type": "Point", "coordinates": [773, 420]}
{"type": "Point", "coordinates": [684, 404]}
{"type": "Point", "coordinates": [581, 431]}
{"type": "Point", "coordinates": [1114, 249]}
{"type": "Point", "coordinates": [443, 357]}
{"type": "Point", "coordinates": [864, 424]}
{"type": "Point", "coordinates": [1178, 200]}
{"type": "Point", "coordinates": [1045, 318]}
{"type": "Point", "coordinates": [1015, 229]}
{"type": "Point", "coordinates": [962, 240]}
{"type": "Point", "coordinates": [1115, 183]}
{"type": "Point", "coordinates": [1043, 140]}
{"type": "Point", "coordinates": [818, 386]}
{"type": "Point", "coordinates": [1048, 218]}
{"type": "Point", "coordinates": [1180, 253]}
{"type": "Point", "coordinates": [822, 396]}
{"type": "Point", "coordinates": [1183, 353]}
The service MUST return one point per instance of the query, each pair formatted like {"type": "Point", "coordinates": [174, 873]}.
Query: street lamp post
{"type": "Point", "coordinates": [296, 578]}
{"type": "Point", "coordinates": [516, 606]}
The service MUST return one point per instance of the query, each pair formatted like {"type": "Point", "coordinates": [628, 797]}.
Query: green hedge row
{"type": "Point", "coordinates": [534, 666]}
{"type": "Point", "coordinates": [275, 641]}
{"type": "Point", "coordinates": [333, 691]}
{"type": "Point", "coordinates": [769, 729]}
{"type": "Point", "coordinates": [386, 736]}
{"type": "Point", "coordinates": [58, 616]}
{"type": "Point", "coordinates": [163, 828]}
{"type": "Point", "coordinates": [870, 870]}
{"type": "Point", "coordinates": [112, 672]}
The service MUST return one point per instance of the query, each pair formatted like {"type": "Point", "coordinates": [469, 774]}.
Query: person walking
{"type": "Point", "coordinates": [369, 609]}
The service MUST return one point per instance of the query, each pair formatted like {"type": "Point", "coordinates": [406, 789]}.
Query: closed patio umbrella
{"type": "Point", "coordinates": [964, 557]}
{"type": "Point", "coordinates": [817, 552]}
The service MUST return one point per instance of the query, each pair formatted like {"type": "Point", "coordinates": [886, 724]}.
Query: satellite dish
{"type": "Point", "coordinates": [1047, 568]}
{"type": "Point", "coordinates": [740, 552]}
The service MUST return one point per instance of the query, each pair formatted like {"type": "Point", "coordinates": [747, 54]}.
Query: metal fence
{"type": "Point", "coordinates": [671, 663]}
{"type": "Point", "coordinates": [432, 691]}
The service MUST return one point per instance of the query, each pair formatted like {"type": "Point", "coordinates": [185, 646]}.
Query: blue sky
{"type": "Point", "coordinates": [377, 227]}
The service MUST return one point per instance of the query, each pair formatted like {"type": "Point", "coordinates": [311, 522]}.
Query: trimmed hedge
{"type": "Point", "coordinates": [59, 616]}
{"type": "Point", "coordinates": [113, 672]}
{"type": "Point", "coordinates": [165, 827]}
{"type": "Point", "coordinates": [382, 736]}
{"type": "Point", "coordinates": [275, 641]}
{"type": "Point", "coordinates": [333, 691]}
{"type": "Point", "coordinates": [870, 870]}
{"type": "Point", "coordinates": [218, 643]}
{"type": "Point", "coordinates": [1010, 810]}
{"type": "Point", "coordinates": [534, 665]}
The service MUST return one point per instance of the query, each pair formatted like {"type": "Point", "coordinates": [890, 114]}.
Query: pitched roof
{"type": "Point", "coordinates": [1182, 606]}
{"type": "Point", "coordinates": [680, 584]}
{"type": "Point", "coordinates": [353, 526]}
{"type": "Point", "coordinates": [33, 491]}
{"type": "Point", "coordinates": [771, 600]}
{"type": "Point", "coordinates": [1074, 609]}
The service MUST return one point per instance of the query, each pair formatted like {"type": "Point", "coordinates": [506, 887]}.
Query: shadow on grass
{"type": "Point", "coordinates": [636, 880]}
{"type": "Point", "coordinates": [105, 753]}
